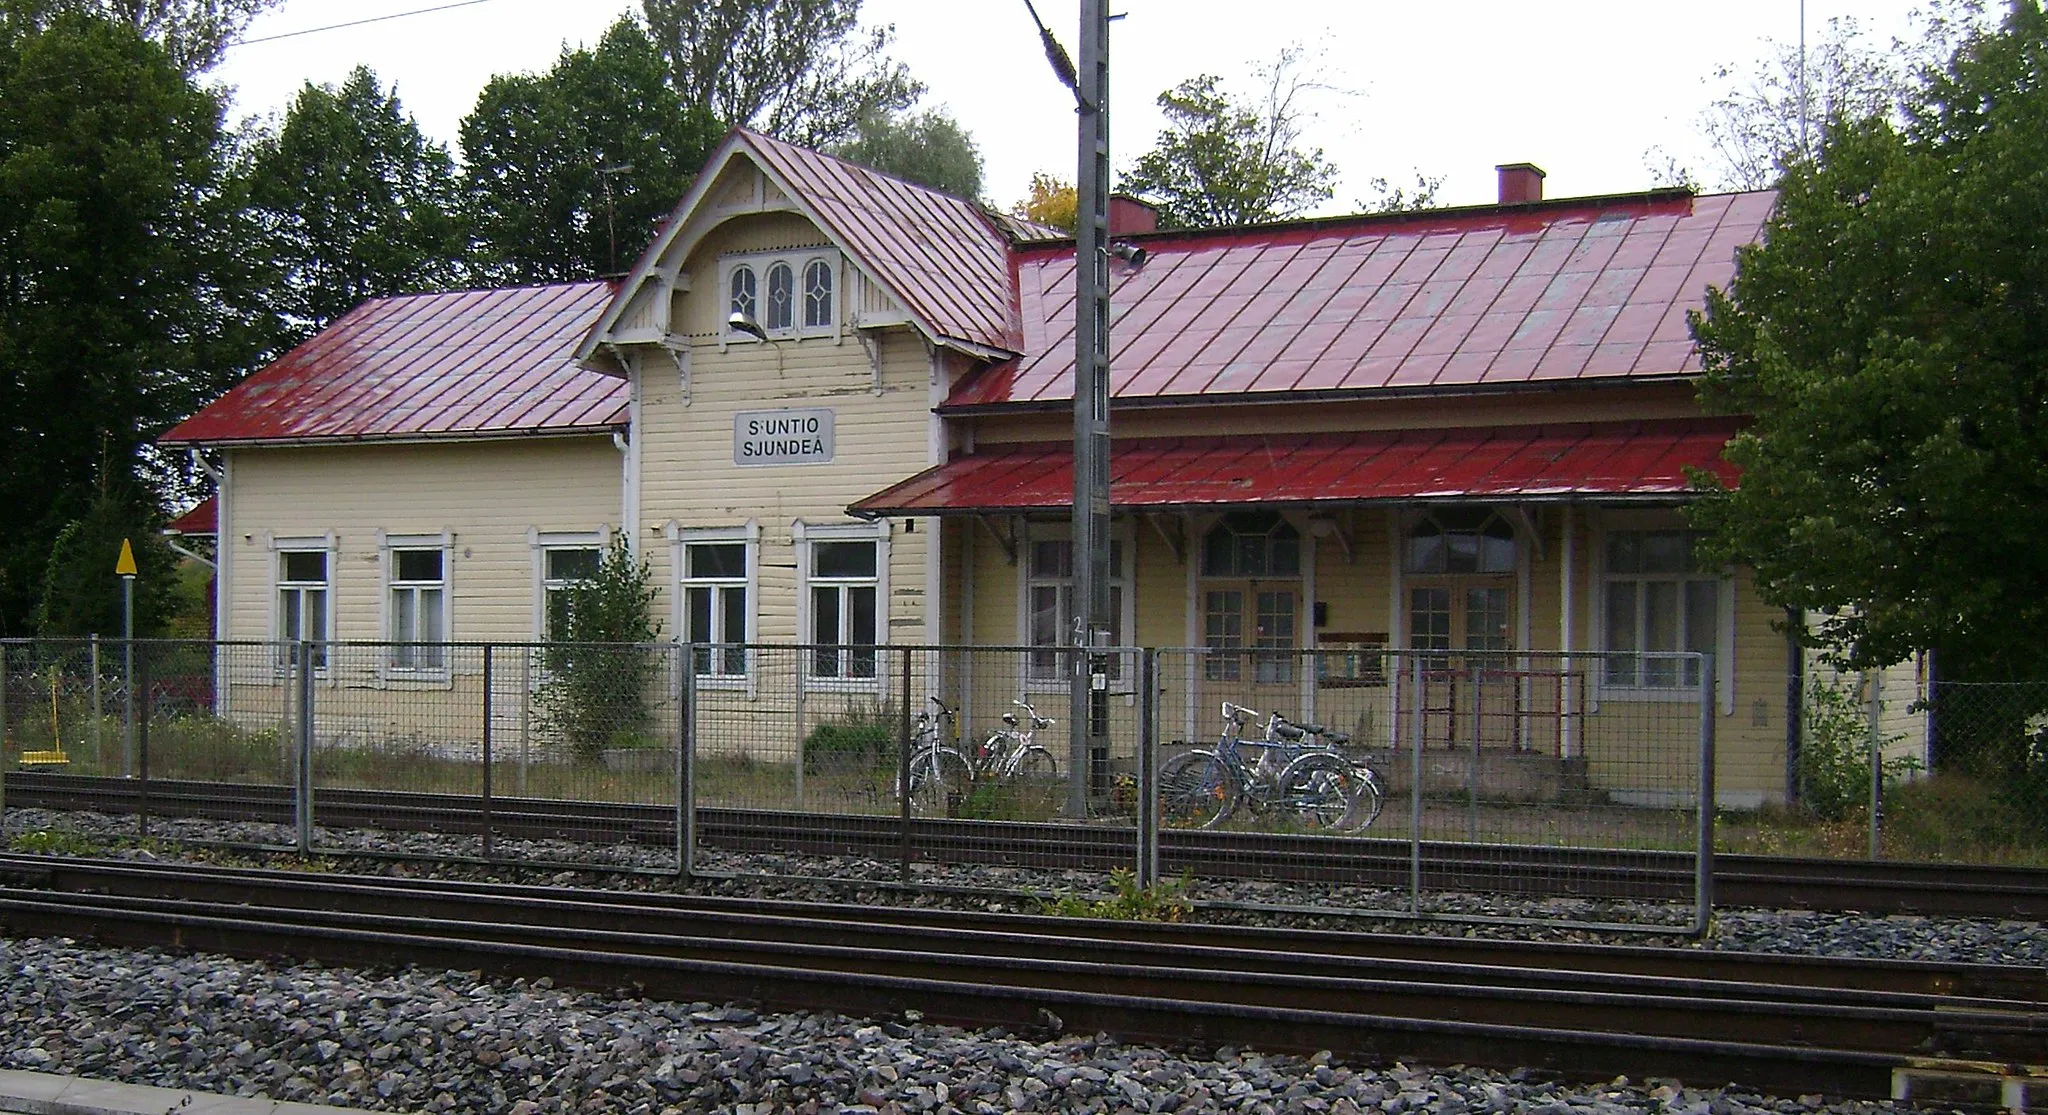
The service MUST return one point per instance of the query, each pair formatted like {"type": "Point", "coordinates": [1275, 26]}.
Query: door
{"type": "Point", "coordinates": [1253, 632]}
{"type": "Point", "coordinates": [1471, 689]}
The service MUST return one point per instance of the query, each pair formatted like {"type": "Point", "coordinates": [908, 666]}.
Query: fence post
{"type": "Point", "coordinates": [686, 748]}
{"type": "Point", "coordinates": [3, 745]}
{"type": "Point", "coordinates": [799, 728]}
{"type": "Point", "coordinates": [98, 753]}
{"type": "Point", "coordinates": [128, 705]}
{"type": "Point", "coordinates": [1148, 767]}
{"type": "Point", "coordinates": [1703, 858]}
{"type": "Point", "coordinates": [302, 652]}
{"type": "Point", "coordinates": [141, 740]}
{"type": "Point", "coordinates": [1415, 795]}
{"type": "Point", "coordinates": [489, 713]}
{"type": "Point", "coordinates": [1472, 776]}
{"type": "Point", "coordinates": [1876, 763]}
{"type": "Point", "coordinates": [903, 769]}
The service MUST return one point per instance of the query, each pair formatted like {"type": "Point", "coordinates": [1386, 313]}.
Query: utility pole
{"type": "Point", "coordinates": [1088, 706]}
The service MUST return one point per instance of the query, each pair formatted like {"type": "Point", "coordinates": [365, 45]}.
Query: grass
{"type": "Point", "coordinates": [1944, 818]}
{"type": "Point", "coordinates": [1166, 900]}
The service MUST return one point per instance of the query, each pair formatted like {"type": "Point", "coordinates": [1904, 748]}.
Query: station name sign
{"type": "Point", "coordinates": [782, 437]}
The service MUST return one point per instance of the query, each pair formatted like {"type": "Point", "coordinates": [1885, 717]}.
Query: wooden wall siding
{"type": "Point", "coordinates": [687, 472]}
{"type": "Point", "coordinates": [490, 494]}
{"type": "Point", "coordinates": [1614, 404]}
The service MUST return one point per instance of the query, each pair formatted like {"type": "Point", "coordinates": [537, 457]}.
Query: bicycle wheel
{"type": "Point", "coordinates": [939, 780]}
{"type": "Point", "coordinates": [1323, 791]}
{"type": "Point", "coordinates": [1370, 800]}
{"type": "Point", "coordinates": [1196, 790]}
{"type": "Point", "coordinates": [1036, 777]}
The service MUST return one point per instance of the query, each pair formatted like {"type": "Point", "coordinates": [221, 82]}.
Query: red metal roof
{"type": "Point", "coordinates": [477, 363]}
{"type": "Point", "coordinates": [1571, 290]}
{"type": "Point", "coordinates": [1640, 459]}
{"type": "Point", "coordinates": [945, 257]}
{"type": "Point", "coordinates": [203, 519]}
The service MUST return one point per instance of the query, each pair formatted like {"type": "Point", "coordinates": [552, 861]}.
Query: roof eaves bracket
{"type": "Point", "coordinates": [1176, 539]}
{"type": "Point", "coordinates": [678, 350]}
{"type": "Point", "coordinates": [1527, 523]}
{"type": "Point", "coordinates": [1006, 538]}
{"type": "Point", "coordinates": [872, 345]}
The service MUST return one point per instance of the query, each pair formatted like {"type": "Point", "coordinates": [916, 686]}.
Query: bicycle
{"type": "Point", "coordinates": [939, 774]}
{"type": "Point", "coordinates": [1012, 754]}
{"type": "Point", "coordinates": [1321, 787]}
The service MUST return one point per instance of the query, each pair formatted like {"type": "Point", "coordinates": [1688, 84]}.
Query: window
{"type": "Point", "coordinates": [1460, 540]}
{"type": "Point", "coordinates": [419, 608]}
{"type": "Point", "coordinates": [1659, 604]}
{"type": "Point", "coordinates": [302, 600]}
{"type": "Point", "coordinates": [741, 286]}
{"type": "Point", "coordinates": [845, 601]}
{"type": "Point", "coordinates": [715, 605]}
{"type": "Point", "coordinates": [765, 287]}
{"type": "Point", "coordinates": [818, 295]}
{"type": "Point", "coordinates": [781, 298]}
{"type": "Point", "coordinates": [1252, 544]}
{"type": "Point", "coordinates": [1257, 548]}
{"type": "Point", "coordinates": [563, 568]}
{"type": "Point", "coordinates": [1049, 603]}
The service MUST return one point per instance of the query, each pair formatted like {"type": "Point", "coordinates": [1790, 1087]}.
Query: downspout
{"type": "Point", "coordinates": [1795, 700]}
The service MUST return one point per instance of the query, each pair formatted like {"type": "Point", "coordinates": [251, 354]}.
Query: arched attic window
{"type": "Point", "coordinates": [818, 295]}
{"type": "Point", "coordinates": [1460, 540]}
{"type": "Point", "coordinates": [781, 298]}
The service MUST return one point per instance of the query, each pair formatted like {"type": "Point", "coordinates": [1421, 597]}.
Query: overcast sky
{"type": "Point", "coordinates": [1580, 87]}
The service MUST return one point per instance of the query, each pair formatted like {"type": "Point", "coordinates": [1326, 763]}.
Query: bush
{"type": "Point", "coordinates": [1834, 754]}
{"type": "Point", "coordinates": [859, 739]}
{"type": "Point", "coordinates": [600, 668]}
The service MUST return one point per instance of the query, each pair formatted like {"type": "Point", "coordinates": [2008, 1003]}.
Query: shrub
{"type": "Point", "coordinates": [1834, 754]}
{"type": "Point", "coordinates": [1162, 901]}
{"type": "Point", "coordinates": [863, 738]}
{"type": "Point", "coordinates": [600, 668]}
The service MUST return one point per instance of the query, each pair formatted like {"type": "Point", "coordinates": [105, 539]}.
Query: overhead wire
{"type": "Point", "coordinates": [354, 23]}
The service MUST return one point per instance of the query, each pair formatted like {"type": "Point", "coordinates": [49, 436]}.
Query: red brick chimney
{"type": "Point", "coordinates": [1127, 215]}
{"type": "Point", "coordinates": [1520, 183]}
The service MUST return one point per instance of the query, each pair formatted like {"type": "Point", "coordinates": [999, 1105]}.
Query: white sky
{"type": "Point", "coordinates": [1579, 87]}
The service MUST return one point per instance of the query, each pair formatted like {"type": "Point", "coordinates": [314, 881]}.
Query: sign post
{"type": "Point", "coordinates": [125, 568]}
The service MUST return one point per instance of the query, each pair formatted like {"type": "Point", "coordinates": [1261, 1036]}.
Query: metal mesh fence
{"type": "Point", "coordinates": [943, 766]}
{"type": "Point", "coordinates": [1513, 785]}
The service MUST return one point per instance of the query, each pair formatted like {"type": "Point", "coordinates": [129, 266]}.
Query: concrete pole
{"type": "Point", "coordinates": [1087, 707]}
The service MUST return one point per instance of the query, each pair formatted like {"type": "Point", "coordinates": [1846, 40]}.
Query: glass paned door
{"type": "Point", "coordinates": [1470, 687]}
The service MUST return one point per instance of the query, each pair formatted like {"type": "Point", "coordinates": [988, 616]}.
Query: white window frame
{"type": "Point", "coordinates": [805, 535]}
{"type": "Point", "coordinates": [540, 542]}
{"type": "Point", "coordinates": [1124, 578]}
{"type": "Point", "coordinates": [799, 262]}
{"type": "Point", "coordinates": [278, 545]}
{"type": "Point", "coordinates": [680, 539]}
{"type": "Point", "coordinates": [388, 546]}
{"type": "Point", "coordinates": [1614, 522]}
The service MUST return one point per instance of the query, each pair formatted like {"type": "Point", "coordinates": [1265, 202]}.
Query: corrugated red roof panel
{"type": "Point", "coordinates": [1640, 459]}
{"type": "Point", "coordinates": [476, 363]}
{"type": "Point", "coordinates": [1572, 290]}
{"type": "Point", "coordinates": [944, 256]}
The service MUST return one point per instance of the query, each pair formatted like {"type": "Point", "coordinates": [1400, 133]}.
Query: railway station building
{"type": "Point", "coordinates": [831, 407]}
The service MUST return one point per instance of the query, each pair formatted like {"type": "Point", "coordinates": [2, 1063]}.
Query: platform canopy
{"type": "Point", "coordinates": [1594, 462]}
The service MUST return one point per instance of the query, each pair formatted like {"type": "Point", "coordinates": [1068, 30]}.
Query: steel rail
{"type": "Point", "coordinates": [1761, 1035]}
{"type": "Point", "coordinates": [1886, 887]}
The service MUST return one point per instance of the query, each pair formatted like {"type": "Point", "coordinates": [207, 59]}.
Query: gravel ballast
{"type": "Point", "coordinates": [418, 1040]}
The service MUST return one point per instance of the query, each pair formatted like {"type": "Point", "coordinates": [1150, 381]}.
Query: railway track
{"type": "Point", "coordinates": [1878, 887]}
{"type": "Point", "coordinates": [1854, 1028]}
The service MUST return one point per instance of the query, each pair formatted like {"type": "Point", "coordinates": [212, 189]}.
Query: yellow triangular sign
{"type": "Point", "coordinates": [126, 566]}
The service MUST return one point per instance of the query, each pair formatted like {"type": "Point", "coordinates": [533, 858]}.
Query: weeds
{"type": "Point", "coordinates": [1163, 901]}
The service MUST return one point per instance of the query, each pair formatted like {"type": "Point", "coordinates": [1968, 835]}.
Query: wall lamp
{"type": "Point", "coordinates": [1128, 252]}
{"type": "Point", "coordinates": [742, 322]}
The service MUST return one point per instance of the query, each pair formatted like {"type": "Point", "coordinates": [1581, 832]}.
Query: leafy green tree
{"type": "Point", "coordinates": [1052, 201]}
{"type": "Point", "coordinates": [1889, 339]}
{"type": "Point", "coordinates": [1389, 198]}
{"type": "Point", "coordinates": [600, 669]}
{"type": "Point", "coordinates": [568, 171]}
{"type": "Point", "coordinates": [354, 201]}
{"type": "Point", "coordinates": [929, 148]}
{"type": "Point", "coordinates": [81, 593]}
{"type": "Point", "coordinates": [193, 33]}
{"type": "Point", "coordinates": [800, 70]}
{"type": "Point", "coordinates": [1221, 161]}
{"type": "Point", "coordinates": [127, 274]}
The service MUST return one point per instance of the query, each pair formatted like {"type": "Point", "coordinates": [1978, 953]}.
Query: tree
{"type": "Point", "coordinates": [354, 201]}
{"type": "Point", "coordinates": [929, 148]}
{"type": "Point", "coordinates": [600, 669]}
{"type": "Point", "coordinates": [193, 33]}
{"type": "Point", "coordinates": [568, 171]}
{"type": "Point", "coordinates": [1220, 161]}
{"type": "Point", "coordinates": [82, 595]}
{"type": "Point", "coordinates": [1390, 198]}
{"type": "Point", "coordinates": [1889, 339]}
{"type": "Point", "coordinates": [1052, 201]}
{"type": "Point", "coordinates": [1773, 110]}
{"type": "Point", "coordinates": [800, 70]}
{"type": "Point", "coordinates": [126, 274]}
